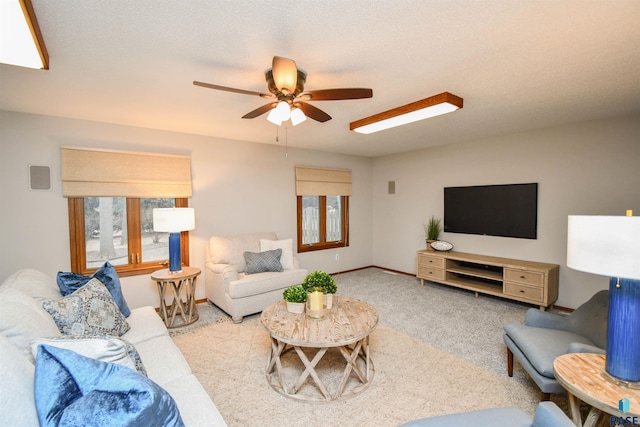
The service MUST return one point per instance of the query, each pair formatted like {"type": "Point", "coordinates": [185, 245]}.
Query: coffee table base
{"type": "Point", "coordinates": [358, 368]}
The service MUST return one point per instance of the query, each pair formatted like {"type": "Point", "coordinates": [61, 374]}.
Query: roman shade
{"type": "Point", "coordinates": [312, 181]}
{"type": "Point", "coordinates": [88, 172]}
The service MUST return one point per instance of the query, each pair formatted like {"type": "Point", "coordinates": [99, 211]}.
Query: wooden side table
{"type": "Point", "coordinates": [181, 284]}
{"type": "Point", "coordinates": [583, 376]}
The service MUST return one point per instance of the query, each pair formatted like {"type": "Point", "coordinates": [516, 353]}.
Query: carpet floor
{"type": "Point", "coordinates": [436, 350]}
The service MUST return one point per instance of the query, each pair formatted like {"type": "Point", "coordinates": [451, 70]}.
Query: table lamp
{"type": "Point", "coordinates": [610, 246]}
{"type": "Point", "coordinates": [174, 221]}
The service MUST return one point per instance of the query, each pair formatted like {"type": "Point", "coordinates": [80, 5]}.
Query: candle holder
{"type": "Point", "coordinates": [315, 304]}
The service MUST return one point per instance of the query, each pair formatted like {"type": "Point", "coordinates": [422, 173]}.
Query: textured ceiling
{"type": "Point", "coordinates": [519, 65]}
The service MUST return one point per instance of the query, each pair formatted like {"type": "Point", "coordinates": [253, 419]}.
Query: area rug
{"type": "Point", "coordinates": [412, 380]}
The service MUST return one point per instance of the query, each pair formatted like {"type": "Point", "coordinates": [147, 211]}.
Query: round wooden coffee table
{"type": "Point", "coordinates": [344, 330]}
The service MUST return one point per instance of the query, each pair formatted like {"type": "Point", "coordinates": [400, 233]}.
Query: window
{"type": "Point", "coordinates": [322, 222]}
{"type": "Point", "coordinates": [120, 230]}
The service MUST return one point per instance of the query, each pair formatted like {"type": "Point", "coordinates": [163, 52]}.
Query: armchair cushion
{"type": "Point", "coordinates": [287, 250]}
{"type": "Point", "coordinates": [541, 346]}
{"type": "Point", "coordinates": [547, 415]}
{"type": "Point", "coordinates": [231, 249]}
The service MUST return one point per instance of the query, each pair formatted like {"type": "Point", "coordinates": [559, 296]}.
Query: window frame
{"type": "Point", "coordinates": [134, 267]}
{"type": "Point", "coordinates": [323, 244]}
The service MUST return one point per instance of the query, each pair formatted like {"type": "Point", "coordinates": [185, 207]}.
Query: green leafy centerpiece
{"type": "Point", "coordinates": [319, 281]}
{"type": "Point", "coordinates": [295, 296]}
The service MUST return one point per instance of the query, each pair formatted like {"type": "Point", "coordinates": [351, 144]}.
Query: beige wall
{"type": "Point", "coordinates": [588, 168]}
{"type": "Point", "coordinates": [238, 187]}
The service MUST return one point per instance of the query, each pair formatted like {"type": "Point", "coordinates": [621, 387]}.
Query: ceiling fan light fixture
{"type": "Point", "coordinates": [429, 107]}
{"type": "Point", "coordinates": [297, 116]}
{"type": "Point", "coordinates": [274, 118]}
{"type": "Point", "coordinates": [283, 110]}
{"type": "Point", "coordinates": [22, 42]}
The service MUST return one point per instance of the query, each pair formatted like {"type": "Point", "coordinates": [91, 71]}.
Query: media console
{"type": "Point", "coordinates": [526, 281]}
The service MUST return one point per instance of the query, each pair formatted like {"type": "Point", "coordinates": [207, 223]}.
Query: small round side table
{"type": "Point", "coordinates": [180, 283]}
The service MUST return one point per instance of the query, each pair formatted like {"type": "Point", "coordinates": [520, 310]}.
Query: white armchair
{"type": "Point", "coordinates": [230, 287]}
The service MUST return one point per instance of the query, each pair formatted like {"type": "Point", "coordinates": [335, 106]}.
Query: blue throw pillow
{"type": "Point", "coordinates": [73, 390]}
{"type": "Point", "coordinates": [259, 262]}
{"type": "Point", "coordinates": [71, 282]}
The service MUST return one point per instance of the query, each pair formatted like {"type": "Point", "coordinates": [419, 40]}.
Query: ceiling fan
{"type": "Point", "coordinates": [286, 86]}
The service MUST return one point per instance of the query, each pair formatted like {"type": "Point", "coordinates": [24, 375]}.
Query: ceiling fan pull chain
{"type": "Point", "coordinates": [286, 142]}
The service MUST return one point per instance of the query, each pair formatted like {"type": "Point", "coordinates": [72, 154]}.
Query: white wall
{"type": "Point", "coordinates": [238, 187]}
{"type": "Point", "coordinates": [587, 168]}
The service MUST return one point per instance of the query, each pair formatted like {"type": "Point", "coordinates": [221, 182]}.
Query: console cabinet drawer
{"type": "Point", "coordinates": [522, 276]}
{"type": "Point", "coordinates": [428, 272]}
{"type": "Point", "coordinates": [528, 292]}
{"type": "Point", "coordinates": [430, 261]}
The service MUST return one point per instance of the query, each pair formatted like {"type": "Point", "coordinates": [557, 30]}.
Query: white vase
{"type": "Point", "coordinates": [295, 307]}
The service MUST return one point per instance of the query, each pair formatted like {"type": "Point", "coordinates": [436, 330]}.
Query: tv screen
{"type": "Point", "coordinates": [494, 210]}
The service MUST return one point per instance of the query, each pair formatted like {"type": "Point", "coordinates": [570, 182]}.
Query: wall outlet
{"type": "Point", "coordinates": [337, 257]}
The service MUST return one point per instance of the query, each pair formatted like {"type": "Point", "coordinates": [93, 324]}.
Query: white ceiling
{"type": "Point", "coordinates": [519, 65]}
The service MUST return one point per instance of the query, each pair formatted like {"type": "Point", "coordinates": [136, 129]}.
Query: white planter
{"type": "Point", "coordinates": [295, 307]}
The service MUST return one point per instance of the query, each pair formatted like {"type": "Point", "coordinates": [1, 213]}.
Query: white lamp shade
{"type": "Point", "coordinates": [297, 116]}
{"type": "Point", "coordinates": [604, 245]}
{"type": "Point", "coordinates": [274, 117]}
{"type": "Point", "coordinates": [174, 220]}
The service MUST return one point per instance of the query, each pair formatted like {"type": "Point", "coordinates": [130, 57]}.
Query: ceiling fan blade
{"type": "Point", "coordinates": [336, 94]}
{"type": "Point", "coordinates": [260, 110]}
{"type": "Point", "coordinates": [313, 112]}
{"type": "Point", "coordinates": [230, 89]}
{"type": "Point", "coordinates": [285, 73]}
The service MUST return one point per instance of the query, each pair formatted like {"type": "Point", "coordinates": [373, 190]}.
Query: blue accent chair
{"type": "Point", "coordinates": [545, 336]}
{"type": "Point", "coordinates": [547, 415]}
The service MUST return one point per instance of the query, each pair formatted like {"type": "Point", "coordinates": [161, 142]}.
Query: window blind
{"type": "Point", "coordinates": [88, 172]}
{"type": "Point", "coordinates": [311, 181]}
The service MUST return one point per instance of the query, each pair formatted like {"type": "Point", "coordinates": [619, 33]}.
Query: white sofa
{"type": "Point", "coordinates": [23, 319]}
{"type": "Point", "coordinates": [239, 294]}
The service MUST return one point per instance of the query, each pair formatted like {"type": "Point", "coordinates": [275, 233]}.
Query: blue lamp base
{"type": "Point", "coordinates": [623, 332]}
{"type": "Point", "coordinates": [175, 261]}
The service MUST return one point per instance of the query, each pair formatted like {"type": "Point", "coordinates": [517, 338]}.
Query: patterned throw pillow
{"type": "Point", "coordinates": [104, 348]}
{"type": "Point", "coordinates": [258, 262]}
{"type": "Point", "coordinates": [88, 311]}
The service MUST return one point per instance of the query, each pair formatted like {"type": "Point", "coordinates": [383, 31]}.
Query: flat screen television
{"type": "Point", "coordinates": [509, 210]}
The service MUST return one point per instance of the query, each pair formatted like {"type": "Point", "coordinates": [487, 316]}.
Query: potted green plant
{"type": "Point", "coordinates": [432, 230]}
{"type": "Point", "coordinates": [295, 296]}
{"type": "Point", "coordinates": [319, 280]}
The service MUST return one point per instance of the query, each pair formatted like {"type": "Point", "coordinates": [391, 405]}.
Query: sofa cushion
{"type": "Point", "coordinates": [194, 403]}
{"type": "Point", "coordinates": [105, 348]}
{"type": "Point", "coordinates": [71, 389]}
{"type": "Point", "coordinates": [88, 311]}
{"type": "Point", "coordinates": [231, 249]}
{"type": "Point", "coordinates": [287, 250]}
{"type": "Point", "coordinates": [22, 320]}
{"type": "Point", "coordinates": [145, 324]}
{"type": "Point", "coordinates": [259, 262]}
{"type": "Point", "coordinates": [16, 390]}
{"type": "Point", "coordinates": [542, 346]}
{"type": "Point", "coordinates": [71, 282]}
{"type": "Point", "coordinates": [34, 283]}
{"type": "Point", "coordinates": [158, 367]}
